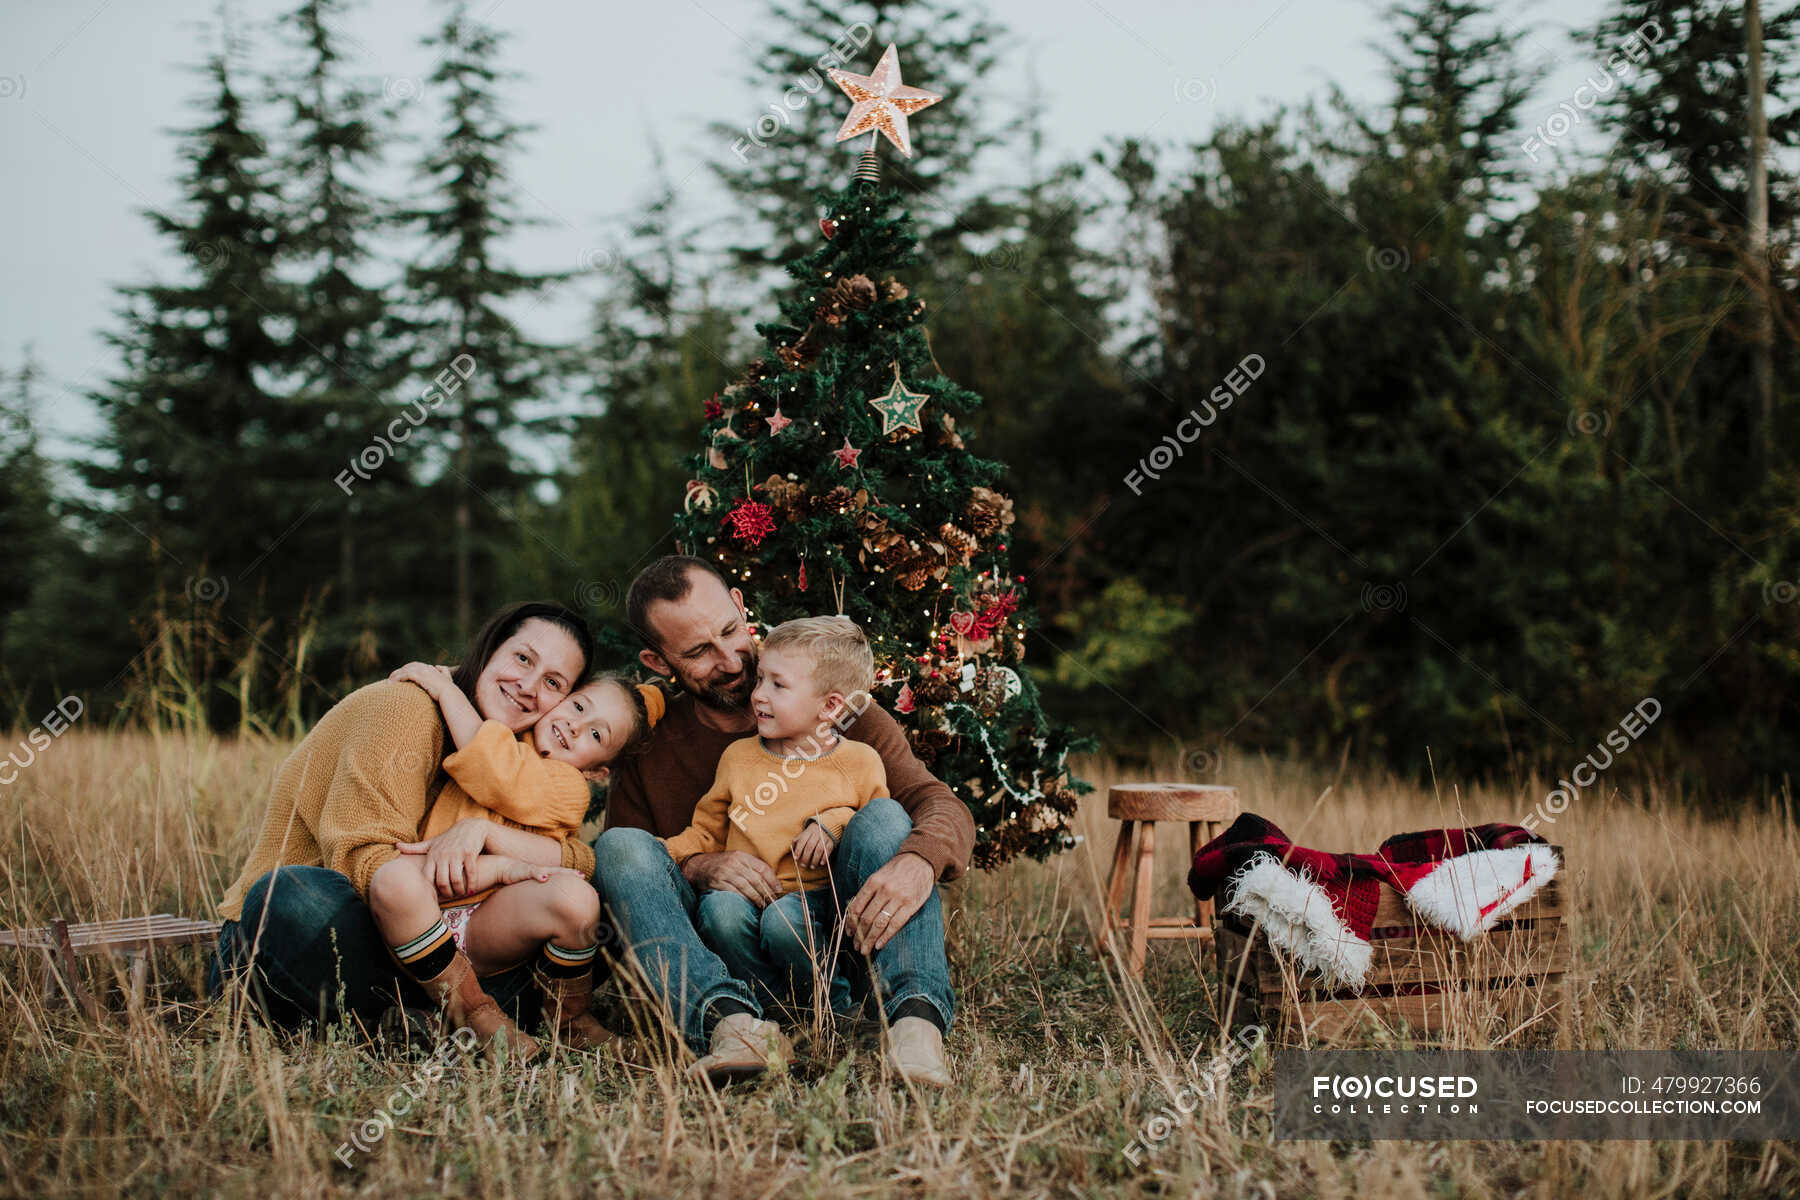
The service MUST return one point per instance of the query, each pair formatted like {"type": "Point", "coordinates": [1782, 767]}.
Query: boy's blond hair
{"type": "Point", "coordinates": [841, 659]}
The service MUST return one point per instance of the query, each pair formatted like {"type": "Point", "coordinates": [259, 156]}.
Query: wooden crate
{"type": "Point", "coordinates": [1429, 980]}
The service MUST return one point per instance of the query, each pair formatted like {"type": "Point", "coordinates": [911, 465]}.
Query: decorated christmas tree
{"type": "Point", "coordinates": [834, 480]}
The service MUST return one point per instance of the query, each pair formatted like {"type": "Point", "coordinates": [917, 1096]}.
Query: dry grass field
{"type": "Point", "coordinates": [1686, 934]}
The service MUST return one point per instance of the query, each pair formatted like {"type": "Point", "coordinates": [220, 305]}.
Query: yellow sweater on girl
{"type": "Point", "coordinates": [759, 802]}
{"type": "Point", "coordinates": [364, 778]}
{"type": "Point", "coordinates": [502, 778]}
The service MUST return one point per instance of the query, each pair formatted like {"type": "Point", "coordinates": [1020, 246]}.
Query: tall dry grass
{"type": "Point", "coordinates": [1687, 933]}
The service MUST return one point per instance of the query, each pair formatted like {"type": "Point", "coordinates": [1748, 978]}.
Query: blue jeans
{"type": "Point", "coordinates": [655, 910]}
{"type": "Point", "coordinates": [311, 950]}
{"type": "Point", "coordinates": [780, 949]}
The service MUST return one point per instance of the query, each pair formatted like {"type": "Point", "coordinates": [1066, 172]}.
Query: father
{"type": "Point", "coordinates": [695, 631]}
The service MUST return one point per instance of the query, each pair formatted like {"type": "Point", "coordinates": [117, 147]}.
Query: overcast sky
{"type": "Point", "coordinates": [90, 89]}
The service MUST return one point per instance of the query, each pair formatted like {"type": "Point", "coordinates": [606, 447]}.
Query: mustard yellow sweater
{"type": "Point", "coordinates": [759, 802]}
{"type": "Point", "coordinates": [501, 777]}
{"type": "Point", "coordinates": [361, 780]}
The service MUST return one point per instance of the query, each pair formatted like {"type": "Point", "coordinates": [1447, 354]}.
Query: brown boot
{"type": "Point", "coordinates": [566, 1002]}
{"type": "Point", "coordinates": [466, 1006]}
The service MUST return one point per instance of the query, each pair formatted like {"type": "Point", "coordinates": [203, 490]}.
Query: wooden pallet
{"type": "Point", "coordinates": [1421, 977]}
{"type": "Point", "coordinates": [133, 937]}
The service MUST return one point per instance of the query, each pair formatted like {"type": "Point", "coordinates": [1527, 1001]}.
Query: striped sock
{"type": "Point", "coordinates": [428, 955]}
{"type": "Point", "coordinates": [560, 962]}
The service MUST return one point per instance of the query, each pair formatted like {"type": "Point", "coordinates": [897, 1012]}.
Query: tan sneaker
{"type": "Point", "coordinates": [915, 1050]}
{"type": "Point", "coordinates": [743, 1045]}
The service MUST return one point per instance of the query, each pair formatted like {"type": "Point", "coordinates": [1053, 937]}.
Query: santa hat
{"type": "Point", "coordinates": [1473, 892]}
{"type": "Point", "coordinates": [1319, 908]}
{"type": "Point", "coordinates": [1325, 929]}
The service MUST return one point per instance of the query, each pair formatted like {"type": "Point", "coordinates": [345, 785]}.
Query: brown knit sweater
{"type": "Point", "coordinates": [659, 789]}
{"type": "Point", "coordinates": [364, 778]}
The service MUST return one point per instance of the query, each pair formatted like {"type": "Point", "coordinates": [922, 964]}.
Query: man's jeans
{"type": "Point", "coordinates": [312, 951]}
{"type": "Point", "coordinates": [656, 909]}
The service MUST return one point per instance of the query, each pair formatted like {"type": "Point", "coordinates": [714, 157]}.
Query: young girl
{"type": "Point", "coordinates": [461, 902]}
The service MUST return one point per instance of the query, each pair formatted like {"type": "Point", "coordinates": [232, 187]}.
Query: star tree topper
{"type": "Point", "coordinates": [899, 407]}
{"type": "Point", "coordinates": [882, 102]}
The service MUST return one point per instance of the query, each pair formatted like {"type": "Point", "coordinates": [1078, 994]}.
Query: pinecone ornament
{"type": "Point", "coordinates": [988, 512]}
{"type": "Point", "coordinates": [836, 500]}
{"type": "Point", "coordinates": [887, 548]}
{"type": "Point", "coordinates": [927, 744]}
{"type": "Point", "coordinates": [855, 292]}
{"type": "Point", "coordinates": [786, 495]}
{"type": "Point", "coordinates": [960, 545]}
{"type": "Point", "coordinates": [990, 691]}
{"type": "Point", "coordinates": [927, 690]}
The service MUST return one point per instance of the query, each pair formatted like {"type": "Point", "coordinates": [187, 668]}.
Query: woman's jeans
{"type": "Point", "coordinates": [308, 948]}
{"type": "Point", "coordinates": [656, 910]}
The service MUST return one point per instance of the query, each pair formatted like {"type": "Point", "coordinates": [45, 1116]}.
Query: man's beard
{"type": "Point", "coordinates": [730, 698]}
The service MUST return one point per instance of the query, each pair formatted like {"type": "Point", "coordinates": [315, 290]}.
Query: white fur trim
{"type": "Point", "coordinates": [1454, 895]}
{"type": "Point", "coordinates": [1296, 915]}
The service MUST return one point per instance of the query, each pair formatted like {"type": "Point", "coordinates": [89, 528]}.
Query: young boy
{"type": "Point", "coordinates": [449, 917]}
{"type": "Point", "coordinates": [785, 796]}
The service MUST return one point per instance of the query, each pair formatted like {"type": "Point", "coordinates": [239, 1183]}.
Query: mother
{"type": "Point", "coordinates": [297, 919]}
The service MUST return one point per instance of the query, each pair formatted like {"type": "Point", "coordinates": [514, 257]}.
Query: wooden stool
{"type": "Point", "coordinates": [1207, 809]}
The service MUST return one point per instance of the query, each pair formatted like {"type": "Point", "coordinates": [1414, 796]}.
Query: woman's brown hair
{"type": "Point", "coordinates": [493, 634]}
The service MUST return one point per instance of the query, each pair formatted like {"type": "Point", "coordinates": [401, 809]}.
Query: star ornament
{"type": "Point", "coordinates": [882, 102]}
{"type": "Point", "coordinates": [847, 456]}
{"type": "Point", "coordinates": [899, 406]}
{"type": "Point", "coordinates": [777, 423]}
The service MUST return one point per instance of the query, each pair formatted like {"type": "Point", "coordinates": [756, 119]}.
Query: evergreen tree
{"type": "Point", "coordinates": [1346, 402]}
{"type": "Point", "coordinates": [195, 426]}
{"type": "Point", "coordinates": [459, 287]}
{"type": "Point", "coordinates": [659, 339]}
{"type": "Point", "coordinates": [60, 607]}
{"type": "Point", "coordinates": [1020, 314]}
{"type": "Point", "coordinates": [835, 479]}
{"type": "Point", "coordinates": [27, 523]}
{"type": "Point", "coordinates": [1029, 328]}
{"type": "Point", "coordinates": [1707, 460]}
{"type": "Point", "coordinates": [1457, 94]}
{"type": "Point", "coordinates": [346, 381]}
{"type": "Point", "coordinates": [1678, 109]}
{"type": "Point", "coordinates": [772, 163]}
{"type": "Point", "coordinates": [1679, 116]}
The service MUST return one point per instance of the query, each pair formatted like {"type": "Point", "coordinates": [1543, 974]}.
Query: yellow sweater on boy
{"type": "Point", "coordinates": [759, 802]}
{"type": "Point", "coordinates": [502, 778]}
